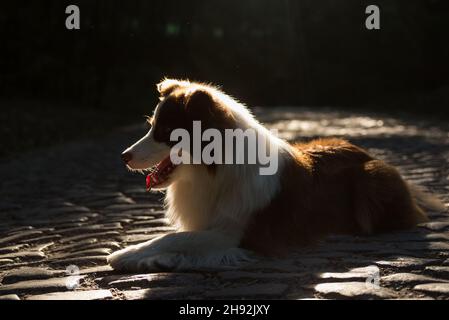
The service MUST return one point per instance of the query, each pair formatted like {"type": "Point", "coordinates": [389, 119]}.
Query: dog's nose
{"type": "Point", "coordinates": [127, 157]}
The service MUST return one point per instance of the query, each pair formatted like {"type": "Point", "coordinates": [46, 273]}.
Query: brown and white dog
{"type": "Point", "coordinates": [226, 212]}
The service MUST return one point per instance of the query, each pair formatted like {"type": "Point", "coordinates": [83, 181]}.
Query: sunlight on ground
{"type": "Point", "coordinates": [292, 125]}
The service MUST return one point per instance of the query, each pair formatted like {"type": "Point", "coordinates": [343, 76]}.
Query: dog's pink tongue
{"type": "Point", "coordinates": [152, 180]}
{"type": "Point", "coordinates": [157, 176]}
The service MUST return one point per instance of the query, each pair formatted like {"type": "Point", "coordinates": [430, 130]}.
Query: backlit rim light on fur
{"type": "Point", "coordinates": [226, 213]}
{"type": "Point", "coordinates": [257, 149]}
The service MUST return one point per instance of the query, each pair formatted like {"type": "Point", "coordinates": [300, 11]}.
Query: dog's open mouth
{"type": "Point", "coordinates": [160, 173]}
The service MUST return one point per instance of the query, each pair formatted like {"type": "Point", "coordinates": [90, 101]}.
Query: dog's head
{"type": "Point", "coordinates": [181, 103]}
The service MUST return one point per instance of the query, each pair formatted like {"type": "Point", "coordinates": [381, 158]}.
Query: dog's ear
{"type": "Point", "coordinates": [201, 105]}
{"type": "Point", "coordinates": [166, 86]}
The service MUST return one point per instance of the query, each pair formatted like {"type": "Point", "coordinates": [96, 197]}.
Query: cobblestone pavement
{"type": "Point", "coordinates": [64, 209]}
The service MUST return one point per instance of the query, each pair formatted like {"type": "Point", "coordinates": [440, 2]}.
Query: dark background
{"type": "Point", "coordinates": [57, 84]}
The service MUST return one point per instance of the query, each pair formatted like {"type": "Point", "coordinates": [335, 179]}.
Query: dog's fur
{"type": "Point", "coordinates": [225, 212]}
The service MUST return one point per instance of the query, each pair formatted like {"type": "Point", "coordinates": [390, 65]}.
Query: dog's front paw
{"type": "Point", "coordinates": [134, 259]}
{"type": "Point", "coordinates": [123, 259]}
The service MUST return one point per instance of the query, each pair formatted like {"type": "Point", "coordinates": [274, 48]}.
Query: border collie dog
{"type": "Point", "coordinates": [225, 213]}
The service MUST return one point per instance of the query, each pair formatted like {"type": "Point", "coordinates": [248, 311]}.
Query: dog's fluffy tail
{"type": "Point", "coordinates": [425, 199]}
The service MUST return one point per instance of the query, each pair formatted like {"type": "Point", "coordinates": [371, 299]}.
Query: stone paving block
{"type": "Point", "coordinates": [437, 288]}
{"type": "Point", "coordinates": [19, 236]}
{"type": "Point", "coordinates": [423, 246]}
{"type": "Point", "coordinates": [47, 285]}
{"type": "Point", "coordinates": [16, 230]}
{"type": "Point", "coordinates": [73, 295]}
{"type": "Point", "coordinates": [14, 248]}
{"type": "Point", "coordinates": [442, 271]}
{"type": "Point", "coordinates": [155, 214]}
{"type": "Point", "coordinates": [405, 262]}
{"type": "Point", "coordinates": [152, 279]}
{"type": "Point", "coordinates": [323, 253]}
{"type": "Point", "coordinates": [108, 234]}
{"type": "Point", "coordinates": [16, 264]}
{"type": "Point", "coordinates": [437, 225]}
{"type": "Point", "coordinates": [162, 293]}
{"type": "Point", "coordinates": [438, 236]}
{"type": "Point", "coordinates": [73, 246]}
{"type": "Point", "coordinates": [88, 197]}
{"type": "Point", "coordinates": [419, 297]}
{"type": "Point", "coordinates": [92, 228]}
{"type": "Point", "coordinates": [348, 261]}
{"type": "Point", "coordinates": [233, 275]}
{"type": "Point", "coordinates": [62, 222]}
{"type": "Point", "coordinates": [361, 273]}
{"type": "Point", "coordinates": [138, 238]}
{"type": "Point", "coordinates": [83, 253]}
{"type": "Point", "coordinates": [27, 273]}
{"type": "Point", "coordinates": [312, 263]}
{"type": "Point", "coordinates": [377, 247]}
{"type": "Point", "coordinates": [70, 225]}
{"type": "Point", "coordinates": [408, 279]}
{"type": "Point", "coordinates": [129, 207]}
{"type": "Point", "coordinates": [98, 196]}
{"type": "Point", "coordinates": [103, 244]}
{"type": "Point", "coordinates": [47, 229]}
{"type": "Point", "coordinates": [51, 237]}
{"type": "Point", "coordinates": [118, 200]}
{"type": "Point", "coordinates": [67, 221]}
{"type": "Point", "coordinates": [5, 262]}
{"type": "Point", "coordinates": [10, 297]}
{"type": "Point", "coordinates": [416, 236]}
{"type": "Point", "coordinates": [80, 261]}
{"type": "Point", "coordinates": [97, 270]}
{"type": "Point", "coordinates": [269, 290]}
{"type": "Point", "coordinates": [152, 223]}
{"type": "Point", "coordinates": [280, 266]}
{"type": "Point", "coordinates": [128, 215]}
{"type": "Point", "coordinates": [23, 255]}
{"type": "Point", "coordinates": [151, 230]}
{"type": "Point", "coordinates": [354, 290]}
{"type": "Point", "coordinates": [64, 211]}
{"type": "Point", "coordinates": [42, 246]}
{"type": "Point", "coordinates": [123, 221]}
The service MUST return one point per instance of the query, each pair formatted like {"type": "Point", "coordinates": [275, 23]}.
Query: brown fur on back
{"type": "Point", "coordinates": [331, 187]}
